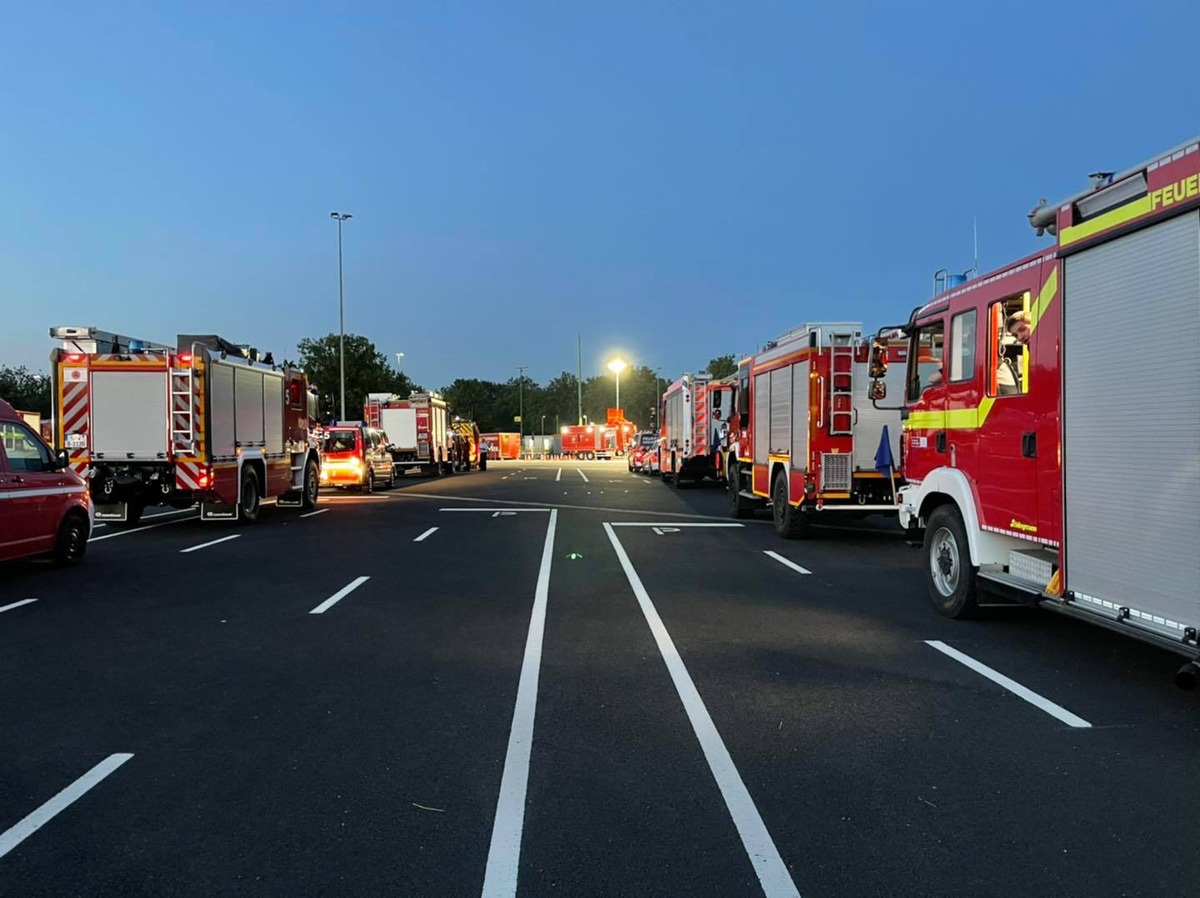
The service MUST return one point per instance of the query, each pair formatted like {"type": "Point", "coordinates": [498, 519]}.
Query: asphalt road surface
{"type": "Point", "coordinates": [565, 679]}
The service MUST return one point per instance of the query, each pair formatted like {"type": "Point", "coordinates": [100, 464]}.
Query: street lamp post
{"type": "Point", "coordinates": [521, 404]}
{"type": "Point", "coordinates": [616, 366]}
{"type": "Point", "coordinates": [339, 217]}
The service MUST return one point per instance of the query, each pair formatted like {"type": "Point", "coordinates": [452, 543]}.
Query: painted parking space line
{"type": "Point", "coordinates": [772, 873]}
{"type": "Point", "coordinates": [509, 510]}
{"type": "Point", "coordinates": [4, 608]}
{"type": "Point", "coordinates": [1038, 701]}
{"type": "Point", "coordinates": [96, 539]}
{"type": "Point", "coordinates": [424, 536]}
{"type": "Point", "coordinates": [675, 524]}
{"type": "Point", "coordinates": [311, 513]}
{"type": "Point", "coordinates": [19, 832]}
{"type": "Point", "coordinates": [339, 595]}
{"type": "Point", "coordinates": [558, 476]}
{"type": "Point", "coordinates": [223, 539]}
{"type": "Point", "coordinates": [786, 562]}
{"type": "Point", "coordinates": [546, 506]}
{"type": "Point", "coordinates": [504, 851]}
{"type": "Point", "coordinates": [584, 476]}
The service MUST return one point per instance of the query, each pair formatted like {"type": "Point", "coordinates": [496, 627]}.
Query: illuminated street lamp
{"type": "Point", "coordinates": [616, 366]}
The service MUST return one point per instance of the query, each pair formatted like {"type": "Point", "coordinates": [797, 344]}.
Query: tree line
{"type": "Point", "coordinates": [493, 405]}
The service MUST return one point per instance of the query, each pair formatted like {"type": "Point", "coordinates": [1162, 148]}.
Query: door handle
{"type": "Point", "coordinates": [939, 441]}
{"type": "Point", "coordinates": [1029, 444]}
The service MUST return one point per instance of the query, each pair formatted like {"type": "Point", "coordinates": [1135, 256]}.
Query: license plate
{"type": "Point", "coordinates": [76, 441]}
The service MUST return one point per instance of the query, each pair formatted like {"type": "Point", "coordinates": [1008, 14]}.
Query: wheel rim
{"type": "Point", "coordinates": [944, 562]}
{"type": "Point", "coordinates": [74, 541]}
{"type": "Point", "coordinates": [250, 495]}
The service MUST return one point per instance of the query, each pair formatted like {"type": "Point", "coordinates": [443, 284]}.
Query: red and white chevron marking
{"type": "Point", "coordinates": [188, 475]}
{"type": "Point", "coordinates": [699, 417]}
{"type": "Point", "coordinates": [75, 418]}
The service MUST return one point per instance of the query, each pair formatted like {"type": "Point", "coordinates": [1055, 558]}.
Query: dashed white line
{"type": "Point", "coordinates": [558, 476]}
{"type": "Point", "coordinates": [223, 539]}
{"type": "Point", "coordinates": [504, 852]}
{"type": "Point", "coordinates": [311, 513]}
{"type": "Point", "coordinates": [786, 562]}
{"type": "Point", "coordinates": [96, 539]}
{"type": "Point", "coordinates": [339, 595]}
{"type": "Point", "coordinates": [772, 873]}
{"type": "Point", "coordinates": [1012, 686]}
{"type": "Point", "coordinates": [4, 608]}
{"type": "Point", "coordinates": [21, 831]}
{"type": "Point", "coordinates": [428, 533]}
{"type": "Point", "coordinates": [509, 510]}
{"type": "Point", "coordinates": [584, 476]}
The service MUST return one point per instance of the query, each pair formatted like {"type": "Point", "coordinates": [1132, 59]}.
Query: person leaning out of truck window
{"type": "Point", "coordinates": [1008, 374]}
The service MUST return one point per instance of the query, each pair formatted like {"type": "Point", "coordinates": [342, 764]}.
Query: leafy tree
{"type": "Point", "coordinates": [722, 366]}
{"type": "Point", "coordinates": [367, 371]}
{"type": "Point", "coordinates": [26, 390]}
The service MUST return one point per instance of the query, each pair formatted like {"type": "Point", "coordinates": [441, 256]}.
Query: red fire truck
{"type": "Point", "coordinates": [598, 441]}
{"type": "Point", "coordinates": [205, 421]}
{"type": "Point", "coordinates": [690, 429]}
{"type": "Point", "coordinates": [503, 445]}
{"type": "Point", "coordinates": [1043, 467]}
{"type": "Point", "coordinates": [807, 435]}
{"type": "Point", "coordinates": [418, 430]}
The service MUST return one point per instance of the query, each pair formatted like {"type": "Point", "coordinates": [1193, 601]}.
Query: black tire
{"type": "Point", "coordinates": [250, 496]}
{"type": "Point", "coordinates": [133, 514]}
{"type": "Point", "coordinates": [312, 486]}
{"type": "Point", "coordinates": [677, 478]}
{"type": "Point", "coordinates": [739, 506]}
{"type": "Point", "coordinates": [790, 522]}
{"type": "Point", "coordinates": [71, 545]}
{"type": "Point", "coordinates": [950, 574]}
{"type": "Point", "coordinates": [369, 485]}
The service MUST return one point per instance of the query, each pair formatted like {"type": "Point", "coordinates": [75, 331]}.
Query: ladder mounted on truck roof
{"type": "Point", "coordinates": [94, 341]}
{"type": "Point", "coordinates": [215, 343]}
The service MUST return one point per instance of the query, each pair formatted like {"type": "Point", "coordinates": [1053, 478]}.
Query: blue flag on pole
{"type": "Point", "coordinates": [883, 455]}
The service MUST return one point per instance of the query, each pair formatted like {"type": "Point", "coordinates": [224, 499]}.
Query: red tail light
{"type": "Point", "coordinates": [185, 358]}
{"type": "Point", "coordinates": [204, 479]}
{"type": "Point", "coordinates": [75, 357]}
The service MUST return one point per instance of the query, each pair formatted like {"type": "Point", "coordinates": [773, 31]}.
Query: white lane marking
{"type": "Point", "coordinates": [546, 506]}
{"type": "Point", "coordinates": [223, 539]}
{"type": "Point", "coordinates": [21, 831]}
{"type": "Point", "coordinates": [772, 873]}
{"type": "Point", "coordinates": [504, 852]}
{"type": "Point", "coordinates": [786, 562]}
{"type": "Point", "coordinates": [672, 524]}
{"type": "Point", "coordinates": [558, 476]}
{"type": "Point", "coordinates": [494, 510]}
{"type": "Point", "coordinates": [1012, 686]}
{"type": "Point", "coordinates": [584, 476]}
{"type": "Point", "coordinates": [96, 539]}
{"type": "Point", "coordinates": [311, 513]}
{"type": "Point", "coordinates": [151, 517]}
{"type": "Point", "coordinates": [4, 608]}
{"type": "Point", "coordinates": [339, 595]}
{"type": "Point", "coordinates": [428, 533]}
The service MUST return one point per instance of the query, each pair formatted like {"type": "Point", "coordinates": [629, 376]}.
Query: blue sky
{"type": "Point", "coordinates": [672, 180]}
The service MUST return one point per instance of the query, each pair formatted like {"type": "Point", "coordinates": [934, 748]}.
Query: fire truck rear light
{"type": "Point", "coordinates": [75, 357]}
{"type": "Point", "coordinates": [203, 480]}
{"type": "Point", "coordinates": [185, 358]}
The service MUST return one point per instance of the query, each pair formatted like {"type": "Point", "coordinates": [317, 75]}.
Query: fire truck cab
{"type": "Point", "coordinates": [1043, 465]}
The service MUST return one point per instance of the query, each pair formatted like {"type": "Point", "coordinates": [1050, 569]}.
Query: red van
{"type": "Point", "coordinates": [45, 507]}
{"type": "Point", "coordinates": [355, 455]}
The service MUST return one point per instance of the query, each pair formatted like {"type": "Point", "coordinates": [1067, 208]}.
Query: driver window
{"type": "Point", "coordinates": [925, 363]}
{"type": "Point", "coordinates": [25, 451]}
{"type": "Point", "coordinates": [1009, 331]}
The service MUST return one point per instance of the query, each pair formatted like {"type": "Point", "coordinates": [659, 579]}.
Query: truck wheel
{"type": "Point", "coordinates": [369, 486]}
{"type": "Point", "coordinates": [739, 505]}
{"type": "Point", "coordinates": [790, 522]}
{"type": "Point", "coordinates": [71, 545]}
{"type": "Point", "coordinates": [677, 480]}
{"type": "Point", "coordinates": [250, 500]}
{"type": "Point", "coordinates": [312, 484]}
{"type": "Point", "coordinates": [952, 584]}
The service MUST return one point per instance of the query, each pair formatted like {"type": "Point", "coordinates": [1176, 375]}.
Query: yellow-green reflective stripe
{"type": "Point", "coordinates": [955, 419]}
{"type": "Point", "coordinates": [1117, 216]}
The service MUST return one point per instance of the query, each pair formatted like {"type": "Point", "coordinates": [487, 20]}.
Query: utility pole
{"type": "Point", "coordinates": [521, 403]}
{"type": "Point", "coordinates": [339, 217]}
{"type": "Point", "coordinates": [579, 378]}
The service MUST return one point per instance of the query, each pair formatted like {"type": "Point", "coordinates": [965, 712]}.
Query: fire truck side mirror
{"type": "Point", "coordinates": [879, 361]}
{"type": "Point", "coordinates": [877, 391]}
